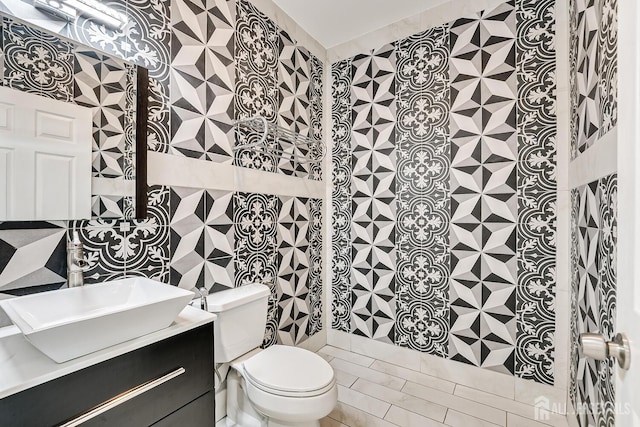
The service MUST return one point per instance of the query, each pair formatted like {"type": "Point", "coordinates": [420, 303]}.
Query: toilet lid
{"type": "Point", "coordinates": [289, 369]}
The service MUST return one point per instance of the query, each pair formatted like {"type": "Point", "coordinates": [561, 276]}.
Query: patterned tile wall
{"type": "Point", "coordinates": [593, 62]}
{"type": "Point", "coordinates": [537, 187]}
{"type": "Point", "coordinates": [422, 191]}
{"type": "Point", "coordinates": [205, 59]}
{"type": "Point", "coordinates": [341, 196]}
{"type": "Point", "coordinates": [594, 237]}
{"type": "Point", "coordinates": [483, 189]}
{"type": "Point", "coordinates": [316, 235]}
{"type": "Point", "coordinates": [453, 191]}
{"type": "Point", "coordinates": [279, 243]}
{"type": "Point", "coordinates": [280, 80]}
{"type": "Point", "coordinates": [43, 244]}
{"type": "Point", "coordinates": [594, 71]}
{"type": "Point", "coordinates": [202, 78]}
{"type": "Point", "coordinates": [373, 168]}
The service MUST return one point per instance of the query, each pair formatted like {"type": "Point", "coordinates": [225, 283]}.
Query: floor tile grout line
{"type": "Point", "coordinates": [496, 405]}
{"type": "Point", "coordinates": [350, 361]}
{"type": "Point", "coordinates": [404, 380]}
{"type": "Point", "coordinates": [454, 392]}
{"type": "Point", "coordinates": [417, 372]}
{"type": "Point", "coordinates": [488, 392]}
{"type": "Point", "coordinates": [457, 410]}
{"type": "Point", "coordinates": [409, 410]}
{"type": "Point", "coordinates": [387, 411]}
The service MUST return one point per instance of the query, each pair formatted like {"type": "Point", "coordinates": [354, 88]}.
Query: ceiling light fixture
{"type": "Point", "coordinates": [56, 8]}
{"type": "Point", "coordinates": [71, 9]}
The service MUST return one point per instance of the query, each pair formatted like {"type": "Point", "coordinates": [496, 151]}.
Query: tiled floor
{"type": "Point", "coordinates": [373, 393]}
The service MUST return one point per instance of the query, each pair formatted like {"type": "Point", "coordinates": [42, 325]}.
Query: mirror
{"type": "Point", "coordinates": [73, 126]}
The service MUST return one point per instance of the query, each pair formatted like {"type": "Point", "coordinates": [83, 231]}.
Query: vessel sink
{"type": "Point", "coordinates": [70, 323]}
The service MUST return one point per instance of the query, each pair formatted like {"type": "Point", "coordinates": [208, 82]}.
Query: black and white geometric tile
{"type": "Point", "coordinates": [594, 71]}
{"type": "Point", "coordinates": [587, 75]}
{"type": "Point", "coordinates": [31, 254]}
{"type": "Point", "coordinates": [202, 238]}
{"type": "Point", "coordinates": [187, 237]}
{"type": "Point", "coordinates": [220, 78]}
{"type": "Point", "coordinates": [294, 113]}
{"type": "Point", "coordinates": [293, 270]}
{"type": "Point", "coordinates": [589, 301]}
{"type": "Point", "coordinates": [594, 287]}
{"type": "Point", "coordinates": [108, 206]}
{"type": "Point", "coordinates": [294, 83]}
{"type": "Point", "coordinates": [341, 196]}
{"type": "Point", "coordinates": [100, 82]}
{"type": "Point", "coordinates": [422, 231]}
{"type": "Point", "coordinates": [483, 188]}
{"type": "Point", "coordinates": [202, 79]}
{"type": "Point", "coordinates": [189, 95]}
{"type": "Point", "coordinates": [219, 240]}
{"type": "Point", "coordinates": [373, 185]}
{"type": "Point", "coordinates": [536, 233]}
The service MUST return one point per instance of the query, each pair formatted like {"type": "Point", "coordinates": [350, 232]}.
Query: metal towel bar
{"type": "Point", "coordinates": [258, 135]}
{"type": "Point", "coordinates": [122, 398]}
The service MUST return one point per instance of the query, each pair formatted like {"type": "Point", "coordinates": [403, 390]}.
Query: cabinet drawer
{"type": "Point", "coordinates": [66, 398]}
{"type": "Point", "coordinates": [199, 413]}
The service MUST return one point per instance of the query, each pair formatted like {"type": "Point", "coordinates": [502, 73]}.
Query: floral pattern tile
{"type": "Point", "coordinates": [37, 62]}
{"type": "Point", "coordinates": [537, 184]}
{"type": "Point", "coordinates": [341, 196]}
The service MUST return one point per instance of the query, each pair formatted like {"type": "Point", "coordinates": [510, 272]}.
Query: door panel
{"type": "Point", "coordinates": [46, 153]}
{"type": "Point", "coordinates": [628, 392]}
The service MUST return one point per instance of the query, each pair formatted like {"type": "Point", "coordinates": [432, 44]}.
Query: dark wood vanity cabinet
{"type": "Point", "coordinates": [182, 366]}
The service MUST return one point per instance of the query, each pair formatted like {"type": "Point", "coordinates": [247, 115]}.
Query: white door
{"type": "Point", "coordinates": [628, 387]}
{"type": "Point", "coordinates": [45, 158]}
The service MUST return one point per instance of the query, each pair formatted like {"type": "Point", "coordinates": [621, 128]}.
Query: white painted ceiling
{"type": "Point", "coordinates": [332, 22]}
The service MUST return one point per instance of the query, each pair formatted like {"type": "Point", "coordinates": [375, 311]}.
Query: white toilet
{"type": "Point", "coordinates": [274, 387]}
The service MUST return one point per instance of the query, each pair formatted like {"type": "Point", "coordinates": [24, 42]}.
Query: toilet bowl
{"type": "Point", "coordinates": [275, 387]}
{"type": "Point", "coordinates": [286, 386]}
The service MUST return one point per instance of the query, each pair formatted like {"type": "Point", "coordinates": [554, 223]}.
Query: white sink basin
{"type": "Point", "coordinates": [70, 323]}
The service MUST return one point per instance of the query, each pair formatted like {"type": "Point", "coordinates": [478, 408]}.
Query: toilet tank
{"type": "Point", "coordinates": [242, 318]}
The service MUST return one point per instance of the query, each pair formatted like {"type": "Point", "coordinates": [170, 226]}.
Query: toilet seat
{"type": "Point", "coordinates": [289, 372]}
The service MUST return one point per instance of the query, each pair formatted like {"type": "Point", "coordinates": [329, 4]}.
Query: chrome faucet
{"type": "Point", "coordinates": [203, 298]}
{"type": "Point", "coordinates": [76, 262]}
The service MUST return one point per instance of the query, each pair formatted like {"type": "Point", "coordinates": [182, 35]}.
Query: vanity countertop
{"type": "Point", "coordinates": [22, 366]}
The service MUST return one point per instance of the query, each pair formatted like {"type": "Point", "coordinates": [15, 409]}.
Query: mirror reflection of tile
{"type": "Point", "coordinates": [43, 64]}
